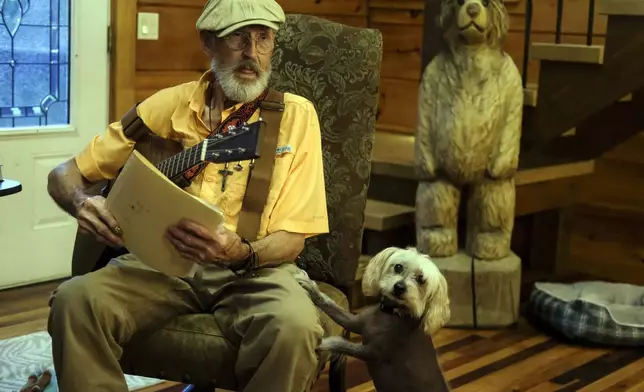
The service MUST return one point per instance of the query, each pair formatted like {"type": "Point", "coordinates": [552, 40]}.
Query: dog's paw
{"type": "Point", "coordinates": [307, 283]}
{"type": "Point", "coordinates": [330, 343]}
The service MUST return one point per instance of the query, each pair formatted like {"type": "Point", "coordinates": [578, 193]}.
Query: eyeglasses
{"type": "Point", "coordinates": [239, 40]}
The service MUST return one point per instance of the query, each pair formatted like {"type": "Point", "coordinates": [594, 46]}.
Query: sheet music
{"type": "Point", "coordinates": [144, 202]}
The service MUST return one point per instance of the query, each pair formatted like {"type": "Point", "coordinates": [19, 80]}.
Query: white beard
{"type": "Point", "coordinates": [235, 89]}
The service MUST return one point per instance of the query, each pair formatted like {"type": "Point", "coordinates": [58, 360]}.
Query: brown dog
{"type": "Point", "coordinates": [396, 334]}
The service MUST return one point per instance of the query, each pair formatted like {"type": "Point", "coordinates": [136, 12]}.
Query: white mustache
{"type": "Point", "coordinates": [248, 64]}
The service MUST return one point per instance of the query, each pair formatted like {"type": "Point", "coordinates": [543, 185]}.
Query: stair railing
{"type": "Point", "coordinates": [558, 31]}
{"type": "Point", "coordinates": [559, 21]}
{"type": "Point", "coordinates": [591, 22]}
{"type": "Point", "coordinates": [590, 26]}
{"type": "Point", "coordinates": [526, 41]}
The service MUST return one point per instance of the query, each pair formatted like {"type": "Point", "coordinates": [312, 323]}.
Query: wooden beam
{"type": "Point", "coordinates": [588, 54]}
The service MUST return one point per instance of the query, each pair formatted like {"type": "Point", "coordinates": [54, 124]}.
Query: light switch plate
{"type": "Point", "coordinates": [148, 26]}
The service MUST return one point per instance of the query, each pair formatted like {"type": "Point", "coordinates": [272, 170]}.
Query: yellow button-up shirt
{"type": "Point", "coordinates": [296, 201]}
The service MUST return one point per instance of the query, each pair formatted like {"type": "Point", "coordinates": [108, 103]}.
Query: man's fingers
{"type": "Point", "coordinates": [101, 220]}
{"type": "Point", "coordinates": [31, 381]}
{"type": "Point", "coordinates": [188, 252]}
{"type": "Point", "coordinates": [101, 230]}
{"type": "Point", "coordinates": [188, 239]}
{"type": "Point", "coordinates": [44, 379]}
{"type": "Point", "coordinates": [195, 229]}
{"type": "Point", "coordinates": [108, 219]}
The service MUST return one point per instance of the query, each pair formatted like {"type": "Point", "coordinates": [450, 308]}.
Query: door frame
{"type": "Point", "coordinates": [123, 39]}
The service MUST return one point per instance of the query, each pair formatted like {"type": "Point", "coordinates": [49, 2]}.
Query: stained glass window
{"type": "Point", "coordinates": [34, 63]}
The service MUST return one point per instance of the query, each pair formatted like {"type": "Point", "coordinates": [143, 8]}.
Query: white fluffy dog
{"type": "Point", "coordinates": [396, 334]}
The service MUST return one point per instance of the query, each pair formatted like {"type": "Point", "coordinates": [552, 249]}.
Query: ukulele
{"type": "Point", "coordinates": [170, 158]}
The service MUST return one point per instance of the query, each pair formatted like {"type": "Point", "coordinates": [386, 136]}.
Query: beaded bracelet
{"type": "Point", "coordinates": [251, 262]}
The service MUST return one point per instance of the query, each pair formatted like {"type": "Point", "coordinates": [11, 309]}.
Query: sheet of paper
{"type": "Point", "coordinates": [144, 202]}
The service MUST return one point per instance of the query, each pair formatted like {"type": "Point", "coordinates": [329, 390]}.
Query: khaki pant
{"type": "Point", "coordinates": [94, 315]}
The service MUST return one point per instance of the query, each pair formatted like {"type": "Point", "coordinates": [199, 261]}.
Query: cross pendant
{"type": "Point", "coordinates": [224, 176]}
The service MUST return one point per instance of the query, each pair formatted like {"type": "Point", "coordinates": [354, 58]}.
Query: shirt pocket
{"type": "Point", "coordinates": [233, 197]}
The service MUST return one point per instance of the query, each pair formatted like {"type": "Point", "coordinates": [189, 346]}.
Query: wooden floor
{"type": "Point", "coordinates": [509, 360]}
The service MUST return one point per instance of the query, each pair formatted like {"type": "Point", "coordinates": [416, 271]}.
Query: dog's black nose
{"type": "Point", "coordinates": [473, 10]}
{"type": "Point", "coordinates": [399, 288]}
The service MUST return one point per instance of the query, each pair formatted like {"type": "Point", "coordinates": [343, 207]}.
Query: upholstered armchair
{"type": "Point", "coordinates": [337, 67]}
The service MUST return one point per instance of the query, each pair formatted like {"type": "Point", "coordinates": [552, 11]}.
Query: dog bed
{"type": "Point", "coordinates": [591, 312]}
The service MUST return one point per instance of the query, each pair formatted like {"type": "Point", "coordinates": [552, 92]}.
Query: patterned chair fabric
{"type": "Point", "coordinates": [337, 67]}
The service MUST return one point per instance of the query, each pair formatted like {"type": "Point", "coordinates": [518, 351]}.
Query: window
{"type": "Point", "coordinates": [34, 63]}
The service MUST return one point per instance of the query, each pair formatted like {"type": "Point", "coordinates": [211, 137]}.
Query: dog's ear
{"type": "Point", "coordinates": [446, 20]}
{"type": "Point", "coordinates": [437, 311]}
{"type": "Point", "coordinates": [499, 26]}
{"type": "Point", "coordinates": [373, 272]}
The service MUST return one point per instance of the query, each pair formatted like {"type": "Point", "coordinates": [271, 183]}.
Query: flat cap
{"type": "Point", "coordinates": [226, 16]}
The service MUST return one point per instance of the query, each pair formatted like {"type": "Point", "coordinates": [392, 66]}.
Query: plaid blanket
{"type": "Point", "coordinates": [582, 321]}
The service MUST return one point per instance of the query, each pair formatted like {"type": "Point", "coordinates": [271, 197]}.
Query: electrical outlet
{"type": "Point", "coordinates": [148, 27]}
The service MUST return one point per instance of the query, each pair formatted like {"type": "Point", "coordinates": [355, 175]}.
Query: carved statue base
{"type": "Point", "coordinates": [497, 286]}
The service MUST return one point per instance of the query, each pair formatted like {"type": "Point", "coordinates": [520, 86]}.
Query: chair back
{"type": "Point", "coordinates": [336, 67]}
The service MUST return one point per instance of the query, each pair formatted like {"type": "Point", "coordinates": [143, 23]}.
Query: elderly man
{"type": "Point", "coordinates": [268, 317]}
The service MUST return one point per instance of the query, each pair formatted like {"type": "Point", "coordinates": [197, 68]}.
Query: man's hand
{"type": "Point", "coordinates": [195, 243]}
{"type": "Point", "coordinates": [94, 218]}
{"type": "Point", "coordinates": [37, 384]}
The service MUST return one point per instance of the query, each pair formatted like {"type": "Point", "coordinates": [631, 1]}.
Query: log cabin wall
{"type": "Point", "coordinates": [145, 66]}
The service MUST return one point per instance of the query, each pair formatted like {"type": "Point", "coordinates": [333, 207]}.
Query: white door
{"type": "Point", "coordinates": [53, 99]}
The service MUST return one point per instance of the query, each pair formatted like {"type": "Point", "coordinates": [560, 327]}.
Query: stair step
{"type": "Point", "coordinates": [555, 172]}
{"type": "Point", "coordinates": [588, 54]}
{"type": "Point", "coordinates": [393, 155]}
{"type": "Point", "coordinates": [620, 7]}
{"type": "Point", "coordinates": [381, 216]}
{"type": "Point", "coordinates": [530, 95]}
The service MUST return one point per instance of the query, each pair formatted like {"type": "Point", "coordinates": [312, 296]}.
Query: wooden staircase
{"type": "Point", "coordinates": [584, 86]}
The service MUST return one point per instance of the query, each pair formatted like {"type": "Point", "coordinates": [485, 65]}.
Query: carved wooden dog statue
{"type": "Point", "coordinates": [468, 136]}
